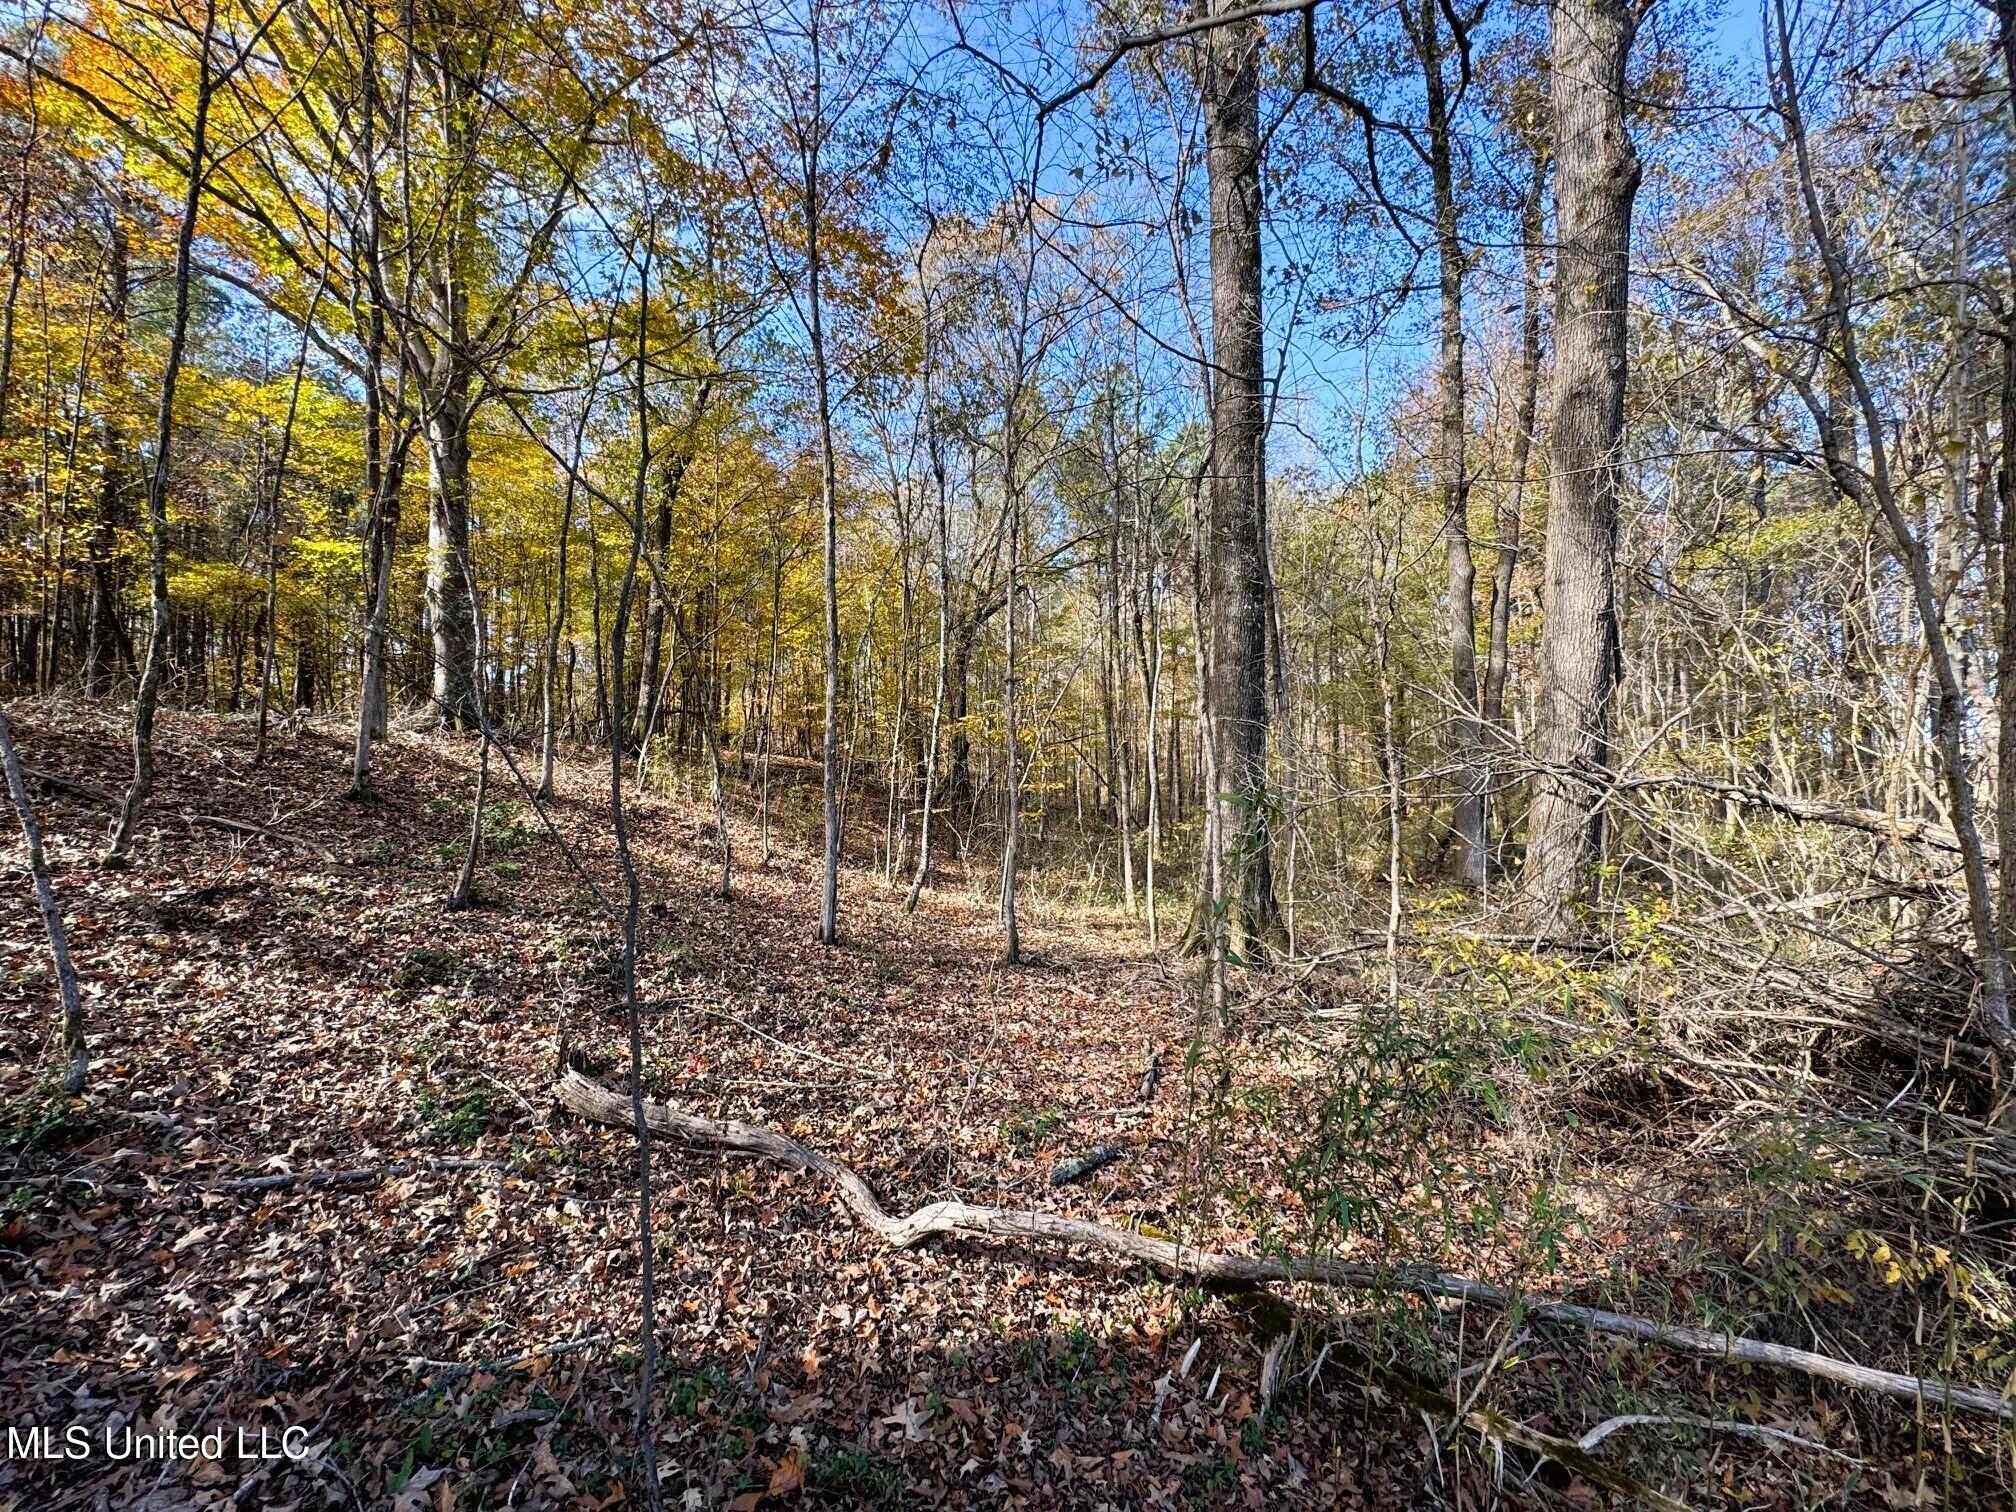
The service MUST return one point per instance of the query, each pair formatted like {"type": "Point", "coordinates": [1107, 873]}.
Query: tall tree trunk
{"type": "Point", "coordinates": [651, 664]}
{"type": "Point", "coordinates": [270, 618]}
{"type": "Point", "coordinates": [895, 813]}
{"type": "Point", "coordinates": [1451, 460]}
{"type": "Point", "coordinates": [1235, 687]}
{"type": "Point", "coordinates": [148, 698]}
{"type": "Point", "coordinates": [1011, 850]}
{"type": "Point", "coordinates": [450, 613]}
{"type": "Point", "coordinates": [769, 704]}
{"type": "Point", "coordinates": [1512, 507]}
{"type": "Point", "coordinates": [1112, 685]}
{"type": "Point", "coordinates": [829, 507]}
{"type": "Point", "coordinates": [383, 473]}
{"type": "Point", "coordinates": [619, 818]}
{"type": "Point", "coordinates": [931, 756]}
{"type": "Point", "coordinates": [549, 716]}
{"type": "Point", "coordinates": [106, 643]}
{"type": "Point", "coordinates": [74, 1053]}
{"type": "Point", "coordinates": [1148, 654]}
{"type": "Point", "coordinates": [268, 630]}
{"type": "Point", "coordinates": [2005, 651]}
{"type": "Point", "coordinates": [1597, 183]}
{"type": "Point", "coordinates": [19, 202]}
{"type": "Point", "coordinates": [438, 340]}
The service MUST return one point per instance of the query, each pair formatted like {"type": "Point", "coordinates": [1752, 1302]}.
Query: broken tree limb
{"type": "Point", "coordinates": [69, 785]}
{"type": "Point", "coordinates": [1884, 826]}
{"type": "Point", "coordinates": [1278, 1325]}
{"type": "Point", "coordinates": [1078, 1167]}
{"type": "Point", "coordinates": [201, 821]}
{"type": "Point", "coordinates": [1152, 1077]}
{"type": "Point", "coordinates": [260, 831]}
{"type": "Point", "coordinates": [591, 1100]}
{"type": "Point", "coordinates": [1604, 1429]}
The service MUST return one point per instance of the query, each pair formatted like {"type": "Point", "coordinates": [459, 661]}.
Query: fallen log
{"type": "Point", "coordinates": [591, 1100]}
{"type": "Point", "coordinates": [69, 785]}
{"type": "Point", "coordinates": [1078, 1167]}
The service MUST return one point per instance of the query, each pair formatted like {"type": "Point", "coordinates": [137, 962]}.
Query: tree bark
{"type": "Point", "coordinates": [1451, 462]}
{"type": "Point", "coordinates": [1011, 850]}
{"type": "Point", "coordinates": [1235, 687]}
{"type": "Point", "coordinates": [1526, 407]}
{"type": "Point", "coordinates": [2005, 651]}
{"type": "Point", "coordinates": [154, 669]}
{"type": "Point", "coordinates": [1597, 181]}
{"type": "Point", "coordinates": [107, 645]}
{"type": "Point", "coordinates": [829, 506]}
{"type": "Point", "coordinates": [451, 615]}
{"type": "Point", "coordinates": [936, 451]}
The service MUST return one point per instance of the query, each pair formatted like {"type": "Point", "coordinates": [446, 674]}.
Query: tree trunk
{"type": "Point", "coordinates": [829, 514]}
{"type": "Point", "coordinates": [74, 1053]}
{"type": "Point", "coordinates": [1512, 508]}
{"type": "Point", "coordinates": [451, 614]}
{"type": "Point", "coordinates": [931, 757]}
{"type": "Point", "coordinates": [2005, 651]}
{"type": "Point", "coordinates": [383, 471]}
{"type": "Point", "coordinates": [549, 713]}
{"type": "Point", "coordinates": [1597, 183]}
{"type": "Point", "coordinates": [155, 668]}
{"type": "Point", "coordinates": [107, 646]}
{"type": "Point", "coordinates": [1011, 850]}
{"type": "Point", "coordinates": [1451, 461]}
{"type": "Point", "coordinates": [1235, 689]}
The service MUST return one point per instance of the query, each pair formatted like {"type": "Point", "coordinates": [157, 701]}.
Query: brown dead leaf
{"type": "Point", "coordinates": [798, 1409]}
{"type": "Point", "coordinates": [789, 1475]}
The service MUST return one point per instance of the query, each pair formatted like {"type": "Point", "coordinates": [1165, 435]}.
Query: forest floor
{"type": "Point", "coordinates": [463, 1335]}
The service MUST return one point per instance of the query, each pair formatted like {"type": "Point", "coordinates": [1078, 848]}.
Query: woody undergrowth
{"type": "Point", "coordinates": [1700, 1114]}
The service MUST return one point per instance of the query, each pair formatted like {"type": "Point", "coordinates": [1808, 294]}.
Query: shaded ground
{"type": "Point", "coordinates": [263, 1004]}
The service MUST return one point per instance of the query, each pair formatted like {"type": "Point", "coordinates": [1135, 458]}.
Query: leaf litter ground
{"type": "Point", "coordinates": [460, 1332]}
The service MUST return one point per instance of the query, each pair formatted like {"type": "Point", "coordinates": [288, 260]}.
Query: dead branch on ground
{"type": "Point", "coordinates": [592, 1100]}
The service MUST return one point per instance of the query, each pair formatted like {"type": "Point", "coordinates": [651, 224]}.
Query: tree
{"type": "Point", "coordinates": [1238, 907]}
{"type": "Point", "coordinates": [814, 76]}
{"type": "Point", "coordinates": [154, 668]}
{"type": "Point", "coordinates": [1596, 182]}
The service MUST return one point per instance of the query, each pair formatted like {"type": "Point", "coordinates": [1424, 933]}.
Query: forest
{"type": "Point", "coordinates": [980, 753]}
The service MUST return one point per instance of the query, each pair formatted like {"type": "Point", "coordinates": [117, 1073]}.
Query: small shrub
{"type": "Point", "coordinates": [1028, 1129]}
{"type": "Point", "coordinates": [430, 966]}
{"type": "Point", "coordinates": [453, 1116]}
{"type": "Point", "coordinates": [857, 1474]}
{"type": "Point", "coordinates": [43, 1117]}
